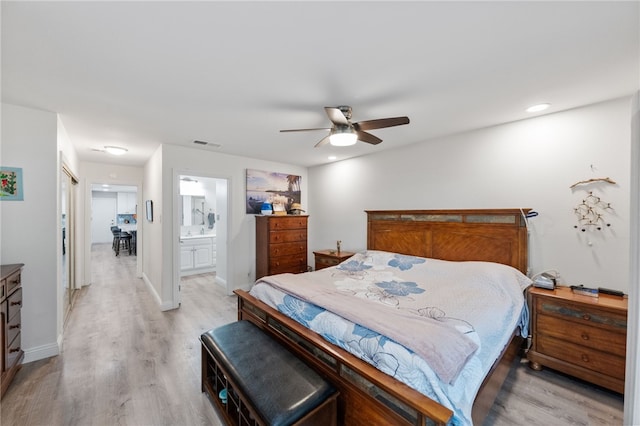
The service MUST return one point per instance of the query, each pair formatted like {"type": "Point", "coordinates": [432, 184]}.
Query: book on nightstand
{"type": "Point", "coordinates": [585, 291]}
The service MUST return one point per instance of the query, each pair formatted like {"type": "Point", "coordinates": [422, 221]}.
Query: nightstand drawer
{"type": "Point", "coordinates": [583, 314]}
{"type": "Point", "coordinates": [582, 356]}
{"type": "Point", "coordinates": [327, 261]}
{"type": "Point", "coordinates": [582, 334]}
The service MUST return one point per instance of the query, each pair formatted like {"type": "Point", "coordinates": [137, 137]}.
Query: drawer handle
{"type": "Point", "coordinates": [11, 327]}
{"type": "Point", "coordinates": [19, 303]}
{"type": "Point", "coordinates": [14, 350]}
{"type": "Point", "coordinates": [586, 317]}
{"type": "Point", "coordinates": [584, 336]}
{"type": "Point", "coordinates": [585, 357]}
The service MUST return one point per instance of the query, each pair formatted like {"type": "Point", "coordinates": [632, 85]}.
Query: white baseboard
{"type": "Point", "coordinates": [41, 352]}
{"type": "Point", "coordinates": [221, 281]}
{"type": "Point", "coordinates": [164, 306]}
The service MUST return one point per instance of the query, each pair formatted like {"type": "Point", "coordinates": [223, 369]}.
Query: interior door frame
{"type": "Point", "coordinates": [89, 182]}
{"type": "Point", "coordinates": [176, 229]}
{"type": "Point", "coordinates": [70, 236]}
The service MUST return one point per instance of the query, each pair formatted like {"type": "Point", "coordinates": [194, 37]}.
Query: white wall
{"type": "Point", "coordinates": [153, 268]}
{"type": "Point", "coordinates": [530, 163]}
{"type": "Point", "coordinates": [632, 385]}
{"type": "Point", "coordinates": [221, 226]}
{"type": "Point", "coordinates": [30, 227]}
{"type": "Point", "coordinates": [241, 236]}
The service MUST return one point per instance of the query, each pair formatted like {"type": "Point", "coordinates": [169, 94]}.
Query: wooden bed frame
{"type": "Point", "coordinates": [368, 396]}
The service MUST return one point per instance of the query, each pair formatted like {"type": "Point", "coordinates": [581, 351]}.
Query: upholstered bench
{"type": "Point", "coordinates": [253, 380]}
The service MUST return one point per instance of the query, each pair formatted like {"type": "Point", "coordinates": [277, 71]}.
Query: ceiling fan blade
{"type": "Point", "coordinates": [381, 123]}
{"type": "Point", "coordinates": [368, 138]}
{"type": "Point", "coordinates": [305, 130]}
{"type": "Point", "coordinates": [323, 141]}
{"type": "Point", "coordinates": [336, 115]}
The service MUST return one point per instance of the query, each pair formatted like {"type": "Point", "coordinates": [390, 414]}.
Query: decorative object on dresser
{"type": "Point", "coordinates": [281, 245]}
{"type": "Point", "coordinates": [10, 305]}
{"type": "Point", "coordinates": [579, 335]}
{"type": "Point", "coordinates": [327, 258]}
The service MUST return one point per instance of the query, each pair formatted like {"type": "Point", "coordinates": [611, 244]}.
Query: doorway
{"type": "Point", "coordinates": [113, 206]}
{"type": "Point", "coordinates": [200, 229]}
{"type": "Point", "coordinates": [68, 184]}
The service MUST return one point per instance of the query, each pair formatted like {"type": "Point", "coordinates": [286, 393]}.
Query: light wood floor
{"type": "Point", "coordinates": [126, 363]}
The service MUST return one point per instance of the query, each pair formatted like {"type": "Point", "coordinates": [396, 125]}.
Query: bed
{"type": "Point", "coordinates": [369, 394]}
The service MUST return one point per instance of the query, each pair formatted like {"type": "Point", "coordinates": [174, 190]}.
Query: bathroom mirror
{"type": "Point", "coordinates": [193, 210]}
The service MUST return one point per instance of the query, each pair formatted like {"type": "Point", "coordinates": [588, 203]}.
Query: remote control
{"type": "Point", "coordinates": [610, 291]}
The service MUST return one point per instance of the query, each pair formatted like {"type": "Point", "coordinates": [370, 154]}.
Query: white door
{"type": "Point", "coordinates": [103, 217]}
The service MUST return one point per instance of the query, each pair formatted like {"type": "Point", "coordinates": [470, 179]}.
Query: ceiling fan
{"type": "Point", "coordinates": [344, 133]}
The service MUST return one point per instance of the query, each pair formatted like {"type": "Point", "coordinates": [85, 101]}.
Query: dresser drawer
{"type": "Point", "coordinates": [288, 236]}
{"type": "Point", "coordinates": [14, 303]}
{"type": "Point", "coordinates": [287, 249]}
{"type": "Point", "coordinates": [292, 222]}
{"type": "Point", "coordinates": [13, 352]}
{"type": "Point", "coordinates": [13, 281]}
{"type": "Point", "coordinates": [293, 264]}
{"type": "Point", "coordinates": [582, 334]}
{"type": "Point", "coordinates": [582, 314]}
{"type": "Point", "coordinates": [582, 356]}
{"type": "Point", "coordinates": [12, 327]}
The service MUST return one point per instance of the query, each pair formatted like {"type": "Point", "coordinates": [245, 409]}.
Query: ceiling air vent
{"type": "Point", "coordinates": [209, 144]}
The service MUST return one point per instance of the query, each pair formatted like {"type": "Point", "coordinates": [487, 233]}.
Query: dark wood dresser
{"type": "Point", "coordinates": [327, 258]}
{"type": "Point", "coordinates": [579, 335]}
{"type": "Point", "coordinates": [10, 305]}
{"type": "Point", "coordinates": [281, 245]}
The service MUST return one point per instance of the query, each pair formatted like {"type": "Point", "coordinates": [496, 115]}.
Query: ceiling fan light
{"type": "Point", "coordinates": [343, 139]}
{"type": "Point", "coordinates": [115, 150]}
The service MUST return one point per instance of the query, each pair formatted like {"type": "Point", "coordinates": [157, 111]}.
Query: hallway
{"type": "Point", "coordinates": [124, 362]}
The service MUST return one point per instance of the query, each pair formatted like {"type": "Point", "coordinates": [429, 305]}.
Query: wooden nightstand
{"type": "Point", "coordinates": [326, 258]}
{"type": "Point", "coordinates": [579, 335]}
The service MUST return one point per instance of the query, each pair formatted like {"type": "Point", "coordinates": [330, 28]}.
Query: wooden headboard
{"type": "Point", "coordinates": [492, 235]}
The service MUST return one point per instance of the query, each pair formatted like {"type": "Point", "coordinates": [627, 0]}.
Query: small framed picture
{"type": "Point", "coordinates": [11, 184]}
{"type": "Point", "coordinates": [149, 209]}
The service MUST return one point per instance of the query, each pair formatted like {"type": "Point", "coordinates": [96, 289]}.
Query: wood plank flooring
{"type": "Point", "coordinates": [126, 363]}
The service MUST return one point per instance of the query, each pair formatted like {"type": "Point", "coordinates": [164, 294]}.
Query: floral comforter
{"type": "Point", "coordinates": [476, 304]}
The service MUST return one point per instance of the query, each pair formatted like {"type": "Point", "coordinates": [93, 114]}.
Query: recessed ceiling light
{"type": "Point", "coordinates": [104, 185]}
{"type": "Point", "coordinates": [115, 150]}
{"type": "Point", "coordinates": [538, 107]}
{"type": "Point", "coordinates": [332, 157]}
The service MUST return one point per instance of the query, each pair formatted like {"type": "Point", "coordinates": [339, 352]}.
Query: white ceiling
{"type": "Point", "coordinates": [141, 74]}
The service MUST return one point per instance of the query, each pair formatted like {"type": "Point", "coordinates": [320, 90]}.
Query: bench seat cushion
{"type": "Point", "coordinates": [279, 386]}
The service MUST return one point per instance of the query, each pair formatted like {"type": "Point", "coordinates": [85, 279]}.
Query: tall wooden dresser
{"type": "Point", "coordinates": [281, 244]}
{"type": "Point", "coordinates": [579, 335]}
{"type": "Point", "coordinates": [10, 305]}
